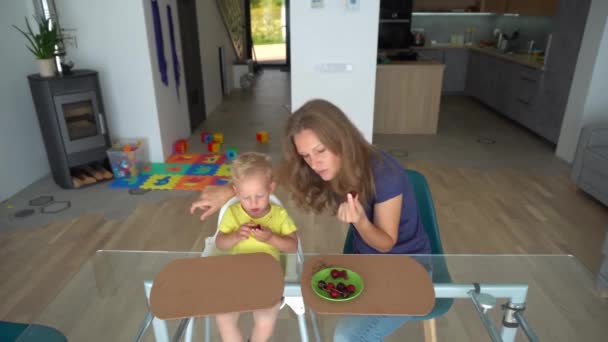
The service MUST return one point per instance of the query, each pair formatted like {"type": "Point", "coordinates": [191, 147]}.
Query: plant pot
{"type": "Point", "coordinates": [47, 67]}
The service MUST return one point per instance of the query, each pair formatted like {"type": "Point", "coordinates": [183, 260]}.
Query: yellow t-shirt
{"type": "Point", "coordinates": [277, 220]}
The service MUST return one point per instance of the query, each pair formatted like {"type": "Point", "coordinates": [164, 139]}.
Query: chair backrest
{"type": "Point", "coordinates": [426, 209]}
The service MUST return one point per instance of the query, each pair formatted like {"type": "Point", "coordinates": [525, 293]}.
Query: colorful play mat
{"type": "Point", "coordinates": [183, 171]}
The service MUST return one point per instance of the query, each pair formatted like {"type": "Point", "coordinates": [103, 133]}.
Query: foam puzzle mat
{"type": "Point", "coordinates": [185, 171]}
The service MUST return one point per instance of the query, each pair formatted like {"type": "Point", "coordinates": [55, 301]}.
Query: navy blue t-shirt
{"type": "Point", "coordinates": [391, 180]}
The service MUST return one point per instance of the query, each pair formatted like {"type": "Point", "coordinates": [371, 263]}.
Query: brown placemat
{"type": "Point", "coordinates": [196, 287]}
{"type": "Point", "coordinates": [393, 285]}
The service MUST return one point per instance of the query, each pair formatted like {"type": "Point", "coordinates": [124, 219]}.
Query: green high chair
{"type": "Point", "coordinates": [439, 271]}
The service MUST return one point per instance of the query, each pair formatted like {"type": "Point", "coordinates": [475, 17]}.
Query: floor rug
{"type": "Point", "coordinates": [185, 171]}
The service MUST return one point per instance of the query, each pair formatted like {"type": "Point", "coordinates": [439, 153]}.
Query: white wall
{"type": "Point", "coordinates": [173, 116]}
{"type": "Point", "coordinates": [587, 102]}
{"type": "Point", "coordinates": [334, 34]}
{"type": "Point", "coordinates": [111, 36]}
{"type": "Point", "coordinates": [23, 159]}
{"type": "Point", "coordinates": [212, 34]}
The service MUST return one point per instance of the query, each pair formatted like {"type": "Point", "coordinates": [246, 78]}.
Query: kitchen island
{"type": "Point", "coordinates": [407, 97]}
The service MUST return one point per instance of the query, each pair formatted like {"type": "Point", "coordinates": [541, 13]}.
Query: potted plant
{"type": "Point", "coordinates": [42, 44]}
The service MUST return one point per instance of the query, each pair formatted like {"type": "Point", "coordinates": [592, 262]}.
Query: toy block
{"type": "Point", "coordinates": [231, 153]}
{"type": "Point", "coordinates": [261, 136]}
{"type": "Point", "coordinates": [218, 137]}
{"type": "Point", "coordinates": [206, 137]}
{"type": "Point", "coordinates": [180, 146]}
{"type": "Point", "coordinates": [214, 147]}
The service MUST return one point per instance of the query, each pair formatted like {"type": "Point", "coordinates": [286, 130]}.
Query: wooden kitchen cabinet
{"type": "Point", "coordinates": [493, 6]}
{"type": "Point", "coordinates": [533, 7]}
{"type": "Point", "coordinates": [407, 97]}
{"type": "Point", "coordinates": [443, 5]}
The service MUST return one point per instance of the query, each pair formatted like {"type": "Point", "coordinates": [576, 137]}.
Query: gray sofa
{"type": "Point", "coordinates": [602, 276]}
{"type": "Point", "coordinates": [590, 167]}
{"type": "Point", "coordinates": [590, 174]}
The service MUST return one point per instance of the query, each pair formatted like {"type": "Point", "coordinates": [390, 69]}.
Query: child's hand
{"type": "Point", "coordinates": [262, 233]}
{"type": "Point", "coordinates": [243, 232]}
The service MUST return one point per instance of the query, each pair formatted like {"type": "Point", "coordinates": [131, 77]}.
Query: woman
{"type": "Point", "coordinates": [328, 165]}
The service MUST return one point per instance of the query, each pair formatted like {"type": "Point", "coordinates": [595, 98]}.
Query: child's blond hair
{"type": "Point", "coordinates": [250, 163]}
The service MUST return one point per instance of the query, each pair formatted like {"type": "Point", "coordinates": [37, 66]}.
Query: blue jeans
{"type": "Point", "coordinates": [367, 328]}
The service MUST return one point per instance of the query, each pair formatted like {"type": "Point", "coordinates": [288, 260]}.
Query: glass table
{"type": "Point", "coordinates": [106, 300]}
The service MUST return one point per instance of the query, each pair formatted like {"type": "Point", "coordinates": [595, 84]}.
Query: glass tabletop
{"type": "Point", "coordinates": [106, 299]}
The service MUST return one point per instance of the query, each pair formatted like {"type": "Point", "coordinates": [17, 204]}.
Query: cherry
{"type": "Point", "coordinates": [351, 288]}
{"type": "Point", "coordinates": [344, 274]}
{"type": "Point", "coordinates": [330, 286]}
{"type": "Point", "coordinates": [341, 287]}
{"type": "Point", "coordinates": [334, 294]}
{"type": "Point", "coordinates": [322, 284]}
{"type": "Point", "coordinates": [335, 274]}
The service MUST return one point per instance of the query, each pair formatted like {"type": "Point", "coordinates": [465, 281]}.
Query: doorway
{"type": "Point", "coordinates": [191, 58]}
{"type": "Point", "coordinates": [267, 23]}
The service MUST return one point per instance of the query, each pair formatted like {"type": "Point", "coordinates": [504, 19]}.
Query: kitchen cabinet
{"type": "Point", "coordinates": [455, 72]}
{"type": "Point", "coordinates": [509, 88]}
{"type": "Point", "coordinates": [443, 5]}
{"type": "Point", "coordinates": [493, 6]}
{"type": "Point", "coordinates": [395, 10]}
{"type": "Point", "coordinates": [533, 7]}
{"type": "Point", "coordinates": [435, 55]}
{"type": "Point", "coordinates": [482, 78]}
{"type": "Point", "coordinates": [407, 97]}
{"type": "Point", "coordinates": [568, 28]}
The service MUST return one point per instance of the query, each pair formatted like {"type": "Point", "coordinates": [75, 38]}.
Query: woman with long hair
{"type": "Point", "coordinates": [329, 166]}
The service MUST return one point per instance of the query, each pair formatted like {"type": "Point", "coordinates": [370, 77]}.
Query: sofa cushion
{"type": "Point", "coordinates": [601, 151]}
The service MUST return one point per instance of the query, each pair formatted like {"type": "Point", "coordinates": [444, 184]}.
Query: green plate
{"type": "Point", "coordinates": [325, 274]}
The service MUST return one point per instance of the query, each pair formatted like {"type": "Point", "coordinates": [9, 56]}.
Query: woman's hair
{"type": "Point", "coordinates": [340, 136]}
{"type": "Point", "coordinates": [251, 163]}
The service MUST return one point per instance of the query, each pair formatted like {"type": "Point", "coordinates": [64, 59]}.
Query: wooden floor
{"type": "Point", "coordinates": [500, 211]}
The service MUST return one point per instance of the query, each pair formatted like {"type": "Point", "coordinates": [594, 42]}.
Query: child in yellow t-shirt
{"type": "Point", "coordinates": [254, 225]}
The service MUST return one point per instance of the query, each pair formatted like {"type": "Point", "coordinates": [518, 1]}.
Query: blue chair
{"type": "Point", "coordinates": [440, 269]}
{"type": "Point", "coordinates": [10, 331]}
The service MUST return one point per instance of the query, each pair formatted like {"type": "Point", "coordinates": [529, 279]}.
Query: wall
{"type": "Point", "coordinates": [23, 159]}
{"type": "Point", "coordinates": [441, 27]}
{"type": "Point", "coordinates": [111, 38]}
{"type": "Point", "coordinates": [173, 116]}
{"type": "Point", "coordinates": [212, 34]}
{"type": "Point", "coordinates": [335, 35]}
{"type": "Point", "coordinates": [587, 102]}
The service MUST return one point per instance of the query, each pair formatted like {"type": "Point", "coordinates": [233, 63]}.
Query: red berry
{"type": "Point", "coordinates": [330, 286]}
{"type": "Point", "coordinates": [351, 288]}
{"type": "Point", "coordinates": [341, 287]}
{"type": "Point", "coordinates": [334, 294]}
{"type": "Point", "coordinates": [344, 274]}
{"type": "Point", "coordinates": [335, 274]}
{"type": "Point", "coordinates": [321, 284]}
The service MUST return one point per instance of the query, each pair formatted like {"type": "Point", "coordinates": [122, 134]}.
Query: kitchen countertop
{"type": "Point", "coordinates": [414, 63]}
{"type": "Point", "coordinates": [523, 59]}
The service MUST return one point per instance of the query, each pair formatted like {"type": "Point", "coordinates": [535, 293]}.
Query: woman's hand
{"type": "Point", "coordinates": [212, 199]}
{"type": "Point", "coordinates": [351, 211]}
